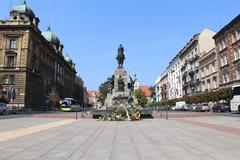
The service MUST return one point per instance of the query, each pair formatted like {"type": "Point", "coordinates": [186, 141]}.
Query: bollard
{"type": "Point", "coordinates": [76, 114]}
{"type": "Point", "coordinates": [82, 110]}
{"type": "Point", "coordinates": [161, 111]}
{"type": "Point", "coordinates": [166, 113]}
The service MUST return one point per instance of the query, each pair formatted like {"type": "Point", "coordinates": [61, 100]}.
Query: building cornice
{"type": "Point", "coordinates": [226, 27]}
{"type": "Point", "coordinates": [207, 55]}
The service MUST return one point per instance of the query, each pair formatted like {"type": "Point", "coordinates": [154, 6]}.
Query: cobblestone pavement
{"type": "Point", "coordinates": [174, 139]}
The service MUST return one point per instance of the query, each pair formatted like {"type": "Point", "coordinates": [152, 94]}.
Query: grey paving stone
{"type": "Point", "coordinates": [143, 140]}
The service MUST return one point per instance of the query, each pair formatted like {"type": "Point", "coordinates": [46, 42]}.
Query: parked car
{"type": "Point", "coordinates": [174, 108]}
{"type": "Point", "coordinates": [205, 108]}
{"type": "Point", "coordinates": [185, 107]}
{"type": "Point", "coordinates": [198, 108]}
{"type": "Point", "coordinates": [190, 107]}
{"type": "Point", "coordinates": [194, 106]}
{"type": "Point", "coordinates": [13, 110]}
{"type": "Point", "coordinates": [221, 107]}
{"type": "Point", "coordinates": [3, 108]}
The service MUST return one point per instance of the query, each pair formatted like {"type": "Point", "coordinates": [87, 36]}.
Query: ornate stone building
{"type": "Point", "coordinates": [228, 52]}
{"type": "Point", "coordinates": [161, 87]}
{"type": "Point", "coordinates": [93, 98]}
{"type": "Point", "coordinates": [208, 69]}
{"type": "Point", "coordinates": [32, 62]}
{"type": "Point", "coordinates": [198, 46]}
{"type": "Point", "coordinates": [174, 78]}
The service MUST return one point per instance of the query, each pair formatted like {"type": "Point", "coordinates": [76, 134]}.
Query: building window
{"type": "Point", "coordinates": [236, 54]}
{"type": "Point", "coordinates": [195, 49]}
{"type": "Point", "coordinates": [215, 82]}
{"type": "Point", "coordinates": [222, 45]}
{"type": "Point", "coordinates": [208, 84]}
{"type": "Point", "coordinates": [238, 73]}
{"type": "Point", "coordinates": [10, 61]}
{"type": "Point", "coordinates": [207, 70]}
{"type": "Point", "coordinates": [202, 70]}
{"type": "Point", "coordinates": [225, 78]}
{"type": "Point", "coordinates": [13, 44]}
{"type": "Point", "coordinates": [192, 54]}
{"type": "Point", "coordinates": [9, 79]}
{"type": "Point", "coordinates": [213, 67]}
{"type": "Point", "coordinates": [235, 36]}
{"type": "Point", "coordinates": [224, 60]}
{"type": "Point", "coordinates": [203, 86]}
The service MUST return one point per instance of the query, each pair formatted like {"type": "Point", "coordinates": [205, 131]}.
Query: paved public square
{"type": "Point", "coordinates": [194, 138]}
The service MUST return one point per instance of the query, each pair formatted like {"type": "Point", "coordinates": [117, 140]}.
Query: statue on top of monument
{"type": "Point", "coordinates": [120, 56]}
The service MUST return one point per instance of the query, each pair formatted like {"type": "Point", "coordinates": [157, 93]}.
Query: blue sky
{"type": "Point", "coordinates": [151, 31]}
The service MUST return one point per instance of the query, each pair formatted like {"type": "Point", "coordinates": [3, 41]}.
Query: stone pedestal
{"type": "Point", "coordinates": [119, 95]}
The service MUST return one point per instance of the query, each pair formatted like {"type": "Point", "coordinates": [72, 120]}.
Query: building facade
{"type": "Point", "coordinates": [208, 69]}
{"type": "Point", "coordinates": [161, 87]}
{"type": "Point", "coordinates": [227, 42]}
{"type": "Point", "coordinates": [147, 91]}
{"type": "Point", "coordinates": [198, 46]}
{"type": "Point", "coordinates": [174, 78]}
{"type": "Point", "coordinates": [93, 98]}
{"type": "Point", "coordinates": [32, 62]}
{"type": "Point", "coordinates": [78, 89]}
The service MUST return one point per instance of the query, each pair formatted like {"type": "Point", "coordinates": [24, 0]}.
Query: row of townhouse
{"type": "Point", "coordinates": [209, 61]}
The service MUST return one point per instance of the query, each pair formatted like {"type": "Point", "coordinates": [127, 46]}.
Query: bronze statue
{"type": "Point", "coordinates": [131, 84]}
{"type": "Point", "coordinates": [110, 82]}
{"type": "Point", "coordinates": [120, 84]}
{"type": "Point", "coordinates": [120, 57]}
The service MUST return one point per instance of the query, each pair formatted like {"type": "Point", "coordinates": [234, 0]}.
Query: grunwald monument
{"type": "Point", "coordinates": [120, 89]}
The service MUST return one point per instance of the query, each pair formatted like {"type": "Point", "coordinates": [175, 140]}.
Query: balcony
{"type": "Point", "coordinates": [192, 83]}
{"type": "Point", "coordinates": [183, 66]}
{"type": "Point", "coordinates": [191, 72]}
{"type": "Point", "coordinates": [195, 58]}
{"type": "Point", "coordinates": [184, 75]}
{"type": "Point", "coordinates": [197, 68]}
{"type": "Point", "coordinates": [185, 85]}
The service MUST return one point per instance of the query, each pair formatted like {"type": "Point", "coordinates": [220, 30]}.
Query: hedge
{"type": "Point", "coordinates": [222, 94]}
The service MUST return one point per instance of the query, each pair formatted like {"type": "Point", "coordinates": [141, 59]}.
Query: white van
{"type": "Point", "coordinates": [180, 104]}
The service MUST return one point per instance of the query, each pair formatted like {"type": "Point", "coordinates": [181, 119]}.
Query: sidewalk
{"type": "Point", "coordinates": [157, 139]}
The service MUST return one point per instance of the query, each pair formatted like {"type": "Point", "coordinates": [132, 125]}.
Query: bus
{"type": "Point", "coordinates": [69, 105]}
{"type": "Point", "coordinates": [235, 101]}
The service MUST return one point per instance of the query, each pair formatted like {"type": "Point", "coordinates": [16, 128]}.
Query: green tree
{"type": "Point", "coordinates": [222, 94]}
{"type": "Point", "coordinates": [141, 97]}
{"type": "Point", "coordinates": [153, 93]}
{"type": "Point", "coordinates": [104, 90]}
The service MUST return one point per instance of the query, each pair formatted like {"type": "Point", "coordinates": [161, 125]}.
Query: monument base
{"type": "Point", "coordinates": [120, 91]}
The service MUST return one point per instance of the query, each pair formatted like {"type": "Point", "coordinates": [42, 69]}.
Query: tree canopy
{"type": "Point", "coordinates": [104, 90]}
{"type": "Point", "coordinates": [141, 97]}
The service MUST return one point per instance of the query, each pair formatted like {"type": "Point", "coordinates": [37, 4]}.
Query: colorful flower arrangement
{"type": "Point", "coordinates": [121, 113]}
